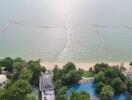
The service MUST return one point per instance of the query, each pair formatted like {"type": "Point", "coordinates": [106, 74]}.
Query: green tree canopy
{"type": "Point", "coordinates": [57, 73]}
{"type": "Point", "coordinates": [26, 74]}
{"type": "Point", "coordinates": [43, 69]}
{"type": "Point", "coordinates": [107, 93]}
{"type": "Point", "coordinates": [30, 96]}
{"type": "Point", "coordinates": [60, 95]}
{"type": "Point", "coordinates": [18, 59]}
{"type": "Point", "coordinates": [99, 86]}
{"type": "Point", "coordinates": [18, 90]}
{"type": "Point", "coordinates": [72, 77]}
{"type": "Point", "coordinates": [2, 94]}
{"type": "Point", "coordinates": [18, 67]}
{"type": "Point", "coordinates": [62, 90]}
{"type": "Point", "coordinates": [68, 67]}
{"type": "Point", "coordinates": [58, 84]}
{"type": "Point", "coordinates": [35, 68]}
{"type": "Point", "coordinates": [99, 77]}
{"type": "Point", "coordinates": [80, 96]}
{"type": "Point", "coordinates": [110, 73]}
{"type": "Point", "coordinates": [100, 67]}
{"type": "Point", "coordinates": [7, 63]}
{"type": "Point", "coordinates": [118, 86]}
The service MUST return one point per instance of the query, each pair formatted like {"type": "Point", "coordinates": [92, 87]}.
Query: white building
{"type": "Point", "coordinates": [46, 86]}
{"type": "Point", "coordinates": [3, 80]}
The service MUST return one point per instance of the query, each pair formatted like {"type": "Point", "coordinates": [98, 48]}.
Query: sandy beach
{"type": "Point", "coordinates": [85, 66]}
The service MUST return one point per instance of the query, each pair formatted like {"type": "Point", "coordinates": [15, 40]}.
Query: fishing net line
{"type": "Point", "coordinates": [65, 52]}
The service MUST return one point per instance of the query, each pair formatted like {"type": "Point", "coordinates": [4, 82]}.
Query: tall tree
{"type": "Point", "coordinates": [68, 67]}
{"type": "Point", "coordinates": [35, 68]}
{"type": "Point", "coordinates": [57, 73]}
{"type": "Point", "coordinates": [18, 67]}
{"type": "Point", "coordinates": [7, 63]}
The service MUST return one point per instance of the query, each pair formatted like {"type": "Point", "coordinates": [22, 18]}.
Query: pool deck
{"type": "Point", "coordinates": [86, 80]}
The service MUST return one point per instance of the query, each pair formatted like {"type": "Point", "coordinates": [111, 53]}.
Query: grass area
{"type": "Point", "coordinates": [87, 74]}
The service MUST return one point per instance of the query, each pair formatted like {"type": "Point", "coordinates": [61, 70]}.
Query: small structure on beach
{"type": "Point", "coordinates": [3, 80]}
{"type": "Point", "coordinates": [46, 86]}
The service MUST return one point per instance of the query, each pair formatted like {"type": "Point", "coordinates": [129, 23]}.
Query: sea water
{"type": "Point", "coordinates": [97, 30]}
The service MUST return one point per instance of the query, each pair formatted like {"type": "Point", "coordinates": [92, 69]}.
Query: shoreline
{"type": "Point", "coordinates": [83, 65]}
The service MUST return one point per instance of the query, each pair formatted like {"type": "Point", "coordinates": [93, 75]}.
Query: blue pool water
{"type": "Point", "coordinates": [122, 96]}
{"type": "Point", "coordinates": [90, 88]}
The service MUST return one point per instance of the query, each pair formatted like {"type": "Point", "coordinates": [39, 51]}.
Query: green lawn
{"type": "Point", "coordinates": [87, 74]}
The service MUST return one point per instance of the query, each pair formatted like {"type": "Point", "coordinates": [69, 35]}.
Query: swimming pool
{"type": "Point", "coordinates": [90, 88]}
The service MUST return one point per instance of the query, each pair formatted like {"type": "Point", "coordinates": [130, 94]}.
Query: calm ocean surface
{"type": "Point", "coordinates": [97, 30]}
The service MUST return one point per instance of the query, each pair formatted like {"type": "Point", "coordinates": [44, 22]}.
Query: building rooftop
{"type": "Point", "coordinates": [3, 79]}
{"type": "Point", "coordinates": [46, 82]}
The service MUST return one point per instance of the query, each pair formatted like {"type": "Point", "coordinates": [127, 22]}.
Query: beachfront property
{"type": "Point", "coordinates": [46, 86]}
{"type": "Point", "coordinates": [3, 80]}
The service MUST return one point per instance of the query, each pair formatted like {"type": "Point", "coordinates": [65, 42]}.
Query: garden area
{"type": "Point", "coordinates": [110, 83]}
